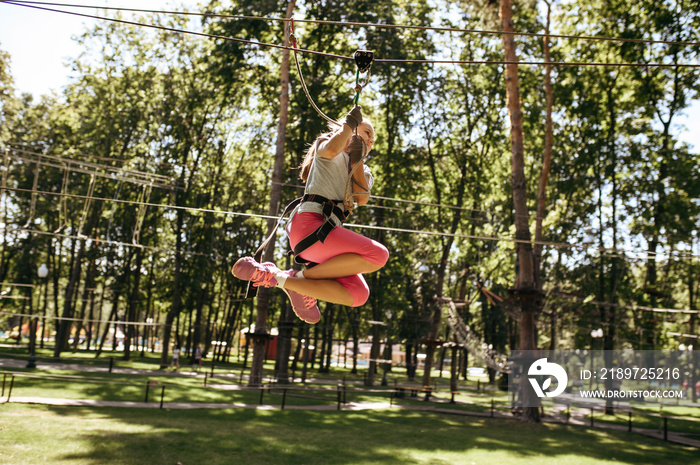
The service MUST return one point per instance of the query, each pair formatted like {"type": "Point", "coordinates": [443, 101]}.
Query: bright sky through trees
{"type": "Point", "coordinates": [40, 44]}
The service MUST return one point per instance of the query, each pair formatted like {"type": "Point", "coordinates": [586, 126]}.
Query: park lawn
{"type": "Point", "coordinates": [132, 388]}
{"type": "Point", "coordinates": [33, 434]}
{"type": "Point", "coordinates": [64, 384]}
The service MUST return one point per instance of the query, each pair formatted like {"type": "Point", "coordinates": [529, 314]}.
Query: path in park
{"type": "Point", "coordinates": [577, 416]}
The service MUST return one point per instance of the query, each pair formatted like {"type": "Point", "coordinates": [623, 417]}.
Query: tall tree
{"type": "Point", "coordinates": [525, 289]}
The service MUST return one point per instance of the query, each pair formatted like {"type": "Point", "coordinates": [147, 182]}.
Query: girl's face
{"type": "Point", "coordinates": [366, 132]}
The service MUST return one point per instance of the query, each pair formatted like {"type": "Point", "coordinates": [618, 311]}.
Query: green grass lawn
{"type": "Point", "coordinates": [69, 384]}
{"type": "Point", "coordinates": [36, 434]}
{"type": "Point", "coordinates": [86, 436]}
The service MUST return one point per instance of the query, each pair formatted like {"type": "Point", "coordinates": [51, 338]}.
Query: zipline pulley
{"type": "Point", "coordinates": [363, 60]}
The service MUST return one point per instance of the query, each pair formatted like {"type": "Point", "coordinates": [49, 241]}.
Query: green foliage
{"type": "Point", "coordinates": [159, 153]}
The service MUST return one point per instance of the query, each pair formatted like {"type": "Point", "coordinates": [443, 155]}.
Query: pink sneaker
{"type": "Point", "coordinates": [304, 307]}
{"type": "Point", "coordinates": [261, 274]}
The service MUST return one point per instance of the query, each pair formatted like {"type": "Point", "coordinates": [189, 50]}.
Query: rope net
{"type": "Point", "coordinates": [472, 342]}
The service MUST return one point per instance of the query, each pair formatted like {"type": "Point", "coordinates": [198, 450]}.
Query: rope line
{"type": "Point", "coordinates": [376, 60]}
{"type": "Point", "coordinates": [172, 29]}
{"type": "Point", "coordinates": [412, 202]}
{"type": "Point", "coordinates": [112, 243]}
{"type": "Point", "coordinates": [366, 24]}
{"type": "Point", "coordinates": [84, 320]}
{"type": "Point", "coordinates": [143, 178]}
{"type": "Point", "coordinates": [93, 169]}
{"type": "Point", "coordinates": [554, 245]}
{"type": "Point", "coordinates": [268, 217]}
{"type": "Point", "coordinates": [293, 40]}
{"type": "Point", "coordinates": [625, 307]}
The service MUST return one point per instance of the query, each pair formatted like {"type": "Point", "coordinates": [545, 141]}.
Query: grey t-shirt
{"type": "Point", "coordinates": [328, 177]}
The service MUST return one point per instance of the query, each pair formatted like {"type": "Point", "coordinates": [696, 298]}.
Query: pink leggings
{"type": "Point", "coordinates": [340, 241]}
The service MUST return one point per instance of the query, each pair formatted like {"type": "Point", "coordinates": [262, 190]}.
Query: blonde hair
{"type": "Point", "coordinates": [305, 167]}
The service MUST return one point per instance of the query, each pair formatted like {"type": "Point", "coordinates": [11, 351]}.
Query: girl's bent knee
{"type": "Point", "coordinates": [382, 255]}
{"type": "Point", "coordinates": [360, 298]}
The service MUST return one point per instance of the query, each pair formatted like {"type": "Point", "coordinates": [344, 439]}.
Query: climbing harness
{"type": "Point", "coordinates": [333, 216]}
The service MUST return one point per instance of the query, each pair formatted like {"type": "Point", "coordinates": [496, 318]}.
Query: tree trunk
{"type": "Point", "coordinates": [275, 197]}
{"type": "Point", "coordinates": [132, 305]}
{"type": "Point", "coordinates": [176, 302]}
{"type": "Point", "coordinates": [373, 355]}
{"type": "Point", "coordinates": [547, 159]}
{"type": "Point", "coordinates": [64, 325]}
{"type": "Point", "coordinates": [85, 301]}
{"type": "Point", "coordinates": [524, 288]}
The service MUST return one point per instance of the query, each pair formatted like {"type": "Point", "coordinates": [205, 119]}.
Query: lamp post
{"type": "Point", "coordinates": [387, 348]}
{"type": "Point", "coordinates": [687, 369]}
{"type": "Point", "coordinates": [595, 334]}
{"type": "Point", "coordinates": [42, 272]}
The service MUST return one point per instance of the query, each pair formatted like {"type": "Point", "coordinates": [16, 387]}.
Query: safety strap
{"type": "Point", "coordinates": [253, 291]}
{"type": "Point", "coordinates": [287, 210]}
{"type": "Point", "coordinates": [331, 208]}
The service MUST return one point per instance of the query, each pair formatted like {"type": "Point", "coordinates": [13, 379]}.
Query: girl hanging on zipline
{"type": "Point", "coordinates": [335, 257]}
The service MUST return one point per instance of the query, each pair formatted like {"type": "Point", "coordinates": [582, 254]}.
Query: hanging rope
{"type": "Point", "coordinates": [350, 193]}
{"type": "Point", "coordinates": [35, 188]}
{"type": "Point", "coordinates": [293, 39]}
{"type": "Point", "coordinates": [63, 202]}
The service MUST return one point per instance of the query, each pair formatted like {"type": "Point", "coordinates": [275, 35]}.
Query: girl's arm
{"type": "Point", "coordinates": [336, 144]}
{"type": "Point", "coordinates": [332, 147]}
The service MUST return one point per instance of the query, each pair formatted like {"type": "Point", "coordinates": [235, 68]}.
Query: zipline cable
{"type": "Point", "coordinates": [366, 24]}
{"type": "Point", "coordinates": [642, 308]}
{"type": "Point", "coordinates": [60, 162]}
{"type": "Point", "coordinates": [172, 29]}
{"type": "Point", "coordinates": [555, 245]}
{"type": "Point", "coordinates": [376, 60]}
{"type": "Point", "coordinates": [268, 217]}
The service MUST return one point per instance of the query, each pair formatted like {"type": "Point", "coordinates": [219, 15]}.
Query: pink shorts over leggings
{"type": "Point", "coordinates": [340, 241]}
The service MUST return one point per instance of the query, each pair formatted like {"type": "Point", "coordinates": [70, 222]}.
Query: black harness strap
{"type": "Point", "coordinates": [330, 208]}
{"type": "Point", "coordinates": [287, 210]}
